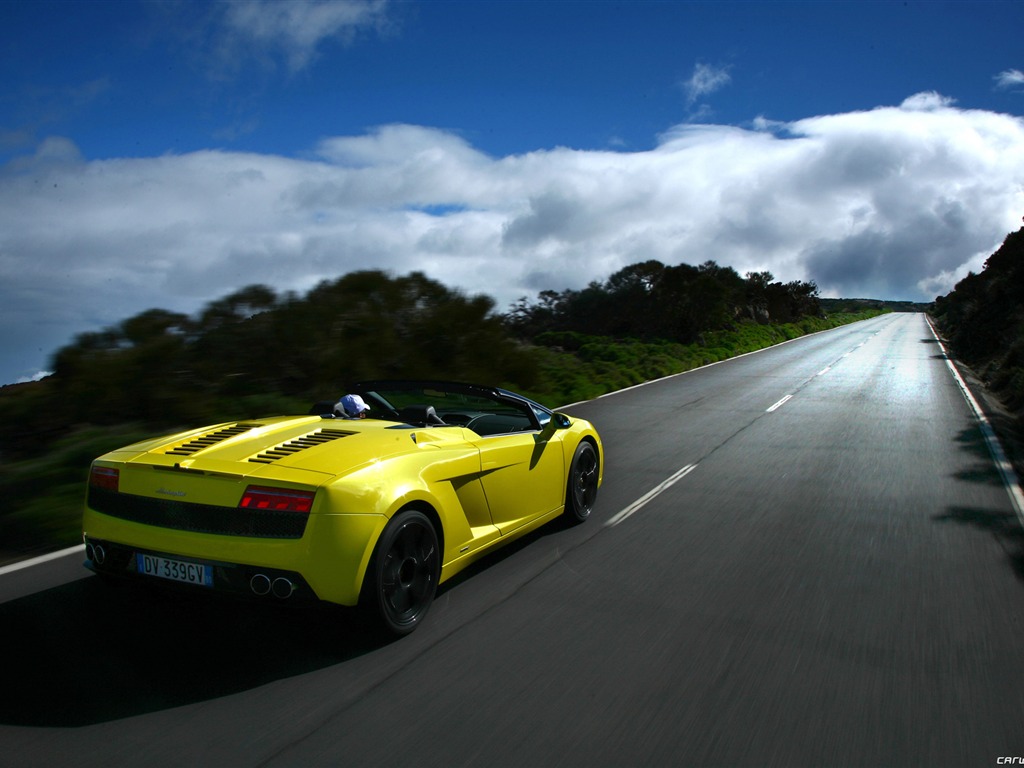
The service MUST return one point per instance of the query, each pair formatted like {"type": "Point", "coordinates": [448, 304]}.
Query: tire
{"type": "Point", "coordinates": [582, 487]}
{"type": "Point", "coordinates": [403, 574]}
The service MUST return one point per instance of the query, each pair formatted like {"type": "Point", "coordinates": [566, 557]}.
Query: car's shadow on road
{"type": "Point", "coordinates": [89, 652]}
{"type": "Point", "coordinates": [92, 651]}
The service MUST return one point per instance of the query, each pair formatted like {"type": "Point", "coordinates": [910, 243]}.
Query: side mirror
{"type": "Point", "coordinates": [561, 421]}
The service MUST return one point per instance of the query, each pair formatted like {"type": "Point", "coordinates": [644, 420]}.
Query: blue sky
{"type": "Point", "coordinates": [141, 79]}
{"type": "Point", "coordinates": [167, 153]}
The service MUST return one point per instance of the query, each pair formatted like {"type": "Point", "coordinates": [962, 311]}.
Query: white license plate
{"type": "Point", "coordinates": [175, 570]}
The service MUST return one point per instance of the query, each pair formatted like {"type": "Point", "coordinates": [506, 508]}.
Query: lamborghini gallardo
{"type": "Point", "coordinates": [371, 507]}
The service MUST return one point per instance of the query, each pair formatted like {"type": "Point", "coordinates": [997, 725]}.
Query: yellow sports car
{"type": "Point", "coordinates": [372, 500]}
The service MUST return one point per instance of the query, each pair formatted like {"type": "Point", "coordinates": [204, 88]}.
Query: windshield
{"type": "Point", "coordinates": [454, 405]}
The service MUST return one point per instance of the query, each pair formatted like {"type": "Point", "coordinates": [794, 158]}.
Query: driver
{"type": "Point", "coordinates": [351, 407]}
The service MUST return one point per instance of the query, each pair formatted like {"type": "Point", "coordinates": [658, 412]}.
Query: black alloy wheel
{"type": "Point", "coordinates": [404, 572]}
{"type": "Point", "coordinates": [583, 476]}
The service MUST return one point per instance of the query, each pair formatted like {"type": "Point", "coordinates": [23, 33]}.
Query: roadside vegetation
{"type": "Point", "coordinates": [983, 320]}
{"type": "Point", "coordinates": [256, 353]}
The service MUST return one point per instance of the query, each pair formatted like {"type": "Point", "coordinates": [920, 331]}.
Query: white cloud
{"type": "Point", "coordinates": [298, 27]}
{"type": "Point", "coordinates": [1010, 79]}
{"type": "Point", "coordinates": [706, 79]}
{"type": "Point", "coordinates": [37, 376]}
{"type": "Point", "coordinates": [896, 202]}
{"type": "Point", "coordinates": [927, 101]}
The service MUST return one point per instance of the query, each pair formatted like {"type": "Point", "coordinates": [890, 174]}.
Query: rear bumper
{"type": "Point", "coordinates": [327, 563]}
{"type": "Point", "coordinates": [111, 559]}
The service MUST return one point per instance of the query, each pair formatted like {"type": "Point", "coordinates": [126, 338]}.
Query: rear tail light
{"type": "Point", "coordinates": [277, 499]}
{"type": "Point", "coordinates": [104, 477]}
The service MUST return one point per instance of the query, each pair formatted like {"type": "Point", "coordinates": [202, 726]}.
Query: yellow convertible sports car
{"type": "Point", "coordinates": [371, 501]}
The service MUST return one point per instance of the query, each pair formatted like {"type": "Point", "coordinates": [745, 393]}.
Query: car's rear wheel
{"type": "Point", "coordinates": [582, 491]}
{"type": "Point", "coordinates": [403, 574]}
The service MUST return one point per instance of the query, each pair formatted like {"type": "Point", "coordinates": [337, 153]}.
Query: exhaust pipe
{"type": "Point", "coordinates": [259, 584]}
{"type": "Point", "coordinates": [96, 553]}
{"type": "Point", "coordinates": [283, 588]}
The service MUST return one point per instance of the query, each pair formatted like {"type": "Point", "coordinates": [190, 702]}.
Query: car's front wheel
{"type": "Point", "coordinates": [583, 476]}
{"type": "Point", "coordinates": [403, 574]}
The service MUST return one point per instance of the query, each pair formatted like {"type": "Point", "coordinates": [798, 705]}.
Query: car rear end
{"type": "Point", "coordinates": [229, 516]}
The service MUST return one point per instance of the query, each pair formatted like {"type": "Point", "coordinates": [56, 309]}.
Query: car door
{"type": "Point", "coordinates": [523, 475]}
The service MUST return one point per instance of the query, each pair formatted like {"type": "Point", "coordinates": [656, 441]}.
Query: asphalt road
{"type": "Point", "coordinates": [829, 579]}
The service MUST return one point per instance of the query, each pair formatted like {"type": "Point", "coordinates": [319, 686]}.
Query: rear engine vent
{"type": "Point", "coordinates": [194, 446]}
{"type": "Point", "coordinates": [292, 447]}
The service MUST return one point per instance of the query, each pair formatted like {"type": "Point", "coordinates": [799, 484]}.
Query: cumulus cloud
{"type": "Point", "coordinates": [895, 202]}
{"type": "Point", "coordinates": [296, 28]}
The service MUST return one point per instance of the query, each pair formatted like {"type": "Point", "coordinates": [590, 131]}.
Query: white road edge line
{"type": "Point", "coordinates": [651, 494]}
{"type": "Point", "coordinates": [1006, 471]}
{"type": "Point", "coordinates": [779, 404]}
{"type": "Point", "coordinates": [41, 559]}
